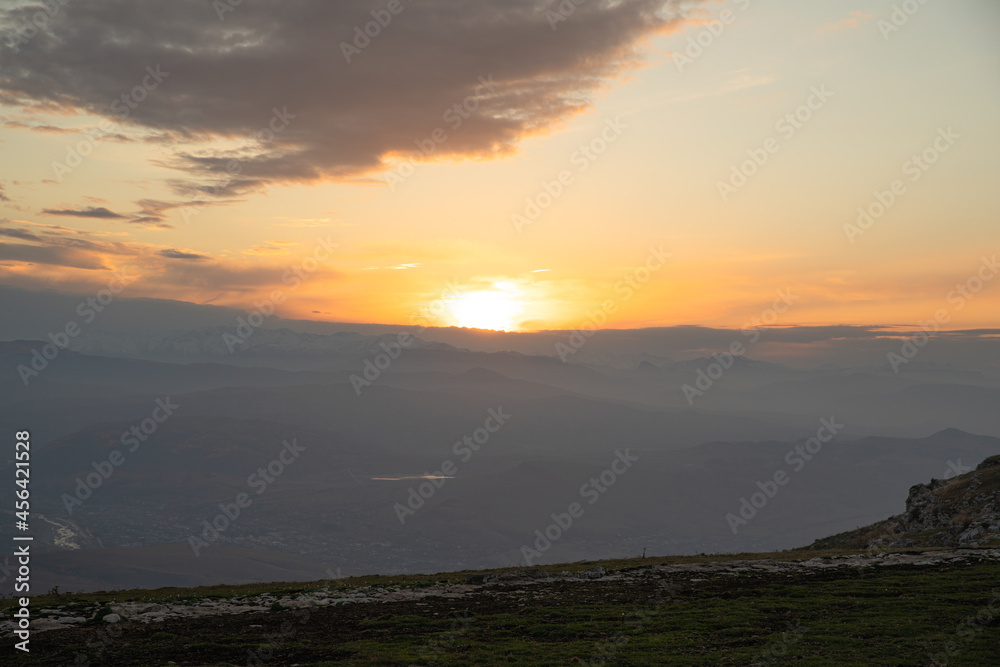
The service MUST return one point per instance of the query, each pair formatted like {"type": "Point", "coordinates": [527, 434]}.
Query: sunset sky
{"type": "Point", "coordinates": [664, 124]}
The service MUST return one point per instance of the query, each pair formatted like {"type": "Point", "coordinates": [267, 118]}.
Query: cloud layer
{"type": "Point", "coordinates": [275, 77]}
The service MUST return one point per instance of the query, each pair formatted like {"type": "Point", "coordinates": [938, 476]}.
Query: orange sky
{"type": "Point", "coordinates": [738, 138]}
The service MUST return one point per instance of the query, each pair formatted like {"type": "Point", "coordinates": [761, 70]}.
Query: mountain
{"type": "Point", "coordinates": [963, 511]}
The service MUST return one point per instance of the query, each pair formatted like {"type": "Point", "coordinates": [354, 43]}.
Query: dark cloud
{"type": "Point", "coordinates": [164, 275]}
{"type": "Point", "coordinates": [275, 75]}
{"type": "Point", "coordinates": [22, 234]}
{"type": "Point", "coordinates": [50, 255]}
{"type": "Point", "coordinates": [150, 222]}
{"type": "Point", "coordinates": [89, 212]}
{"type": "Point", "coordinates": [170, 253]}
{"type": "Point", "coordinates": [154, 210]}
{"type": "Point", "coordinates": [3, 197]}
{"type": "Point", "coordinates": [66, 239]}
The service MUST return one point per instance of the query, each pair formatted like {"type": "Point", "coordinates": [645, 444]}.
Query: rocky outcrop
{"type": "Point", "coordinates": [963, 511]}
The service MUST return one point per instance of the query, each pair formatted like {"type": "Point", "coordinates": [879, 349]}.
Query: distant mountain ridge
{"type": "Point", "coordinates": [212, 342]}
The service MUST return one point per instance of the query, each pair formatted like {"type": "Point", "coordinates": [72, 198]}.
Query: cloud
{"type": "Point", "coordinates": [153, 211]}
{"type": "Point", "coordinates": [22, 234]}
{"type": "Point", "coordinates": [65, 238]}
{"type": "Point", "coordinates": [52, 129]}
{"type": "Point", "coordinates": [745, 81]}
{"type": "Point", "coordinates": [89, 212]}
{"type": "Point", "coordinates": [850, 23]}
{"type": "Point", "coordinates": [3, 197]}
{"type": "Point", "coordinates": [170, 253]}
{"type": "Point", "coordinates": [196, 277]}
{"type": "Point", "coordinates": [150, 221]}
{"type": "Point", "coordinates": [68, 257]}
{"type": "Point", "coordinates": [270, 248]}
{"type": "Point", "coordinates": [397, 267]}
{"type": "Point", "coordinates": [273, 78]}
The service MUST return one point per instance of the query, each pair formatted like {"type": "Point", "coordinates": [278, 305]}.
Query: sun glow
{"type": "Point", "coordinates": [495, 308]}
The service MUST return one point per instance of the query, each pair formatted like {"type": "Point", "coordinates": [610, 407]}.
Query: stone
{"type": "Point", "coordinates": [71, 620]}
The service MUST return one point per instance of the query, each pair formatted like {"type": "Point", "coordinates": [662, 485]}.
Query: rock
{"type": "Point", "coordinates": [592, 573]}
{"type": "Point", "coordinates": [969, 535]}
{"type": "Point", "coordinates": [71, 620]}
{"type": "Point", "coordinates": [43, 624]}
{"type": "Point", "coordinates": [991, 462]}
{"type": "Point", "coordinates": [112, 618]}
{"type": "Point", "coordinates": [152, 616]}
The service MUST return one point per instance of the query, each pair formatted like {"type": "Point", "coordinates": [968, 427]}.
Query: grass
{"type": "Point", "coordinates": [885, 615]}
{"type": "Point", "coordinates": [280, 589]}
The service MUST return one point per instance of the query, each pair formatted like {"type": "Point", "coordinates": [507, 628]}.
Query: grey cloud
{"type": "Point", "coordinates": [154, 222]}
{"type": "Point", "coordinates": [170, 253]}
{"type": "Point", "coordinates": [268, 61]}
{"type": "Point", "coordinates": [89, 212]}
{"type": "Point", "coordinates": [50, 255]}
{"type": "Point", "coordinates": [22, 234]}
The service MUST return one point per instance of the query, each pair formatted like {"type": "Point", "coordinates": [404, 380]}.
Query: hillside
{"type": "Point", "coordinates": [904, 604]}
{"type": "Point", "coordinates": [796, 607]}
{"type": "Point", "coordinates": [961, 511]}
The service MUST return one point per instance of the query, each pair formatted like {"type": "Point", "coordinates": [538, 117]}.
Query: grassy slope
{"type": "Point", "coordinates": [951, 497]}
{"type": "Point", "coordinates": [878, 616]}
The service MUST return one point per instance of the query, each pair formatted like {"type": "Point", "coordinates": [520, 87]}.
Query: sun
{"type": "Point", "coordinates": [487, 309]}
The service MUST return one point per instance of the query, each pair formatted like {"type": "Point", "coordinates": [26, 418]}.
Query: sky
{"type": "Point", "coordinates": [510, 164]}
